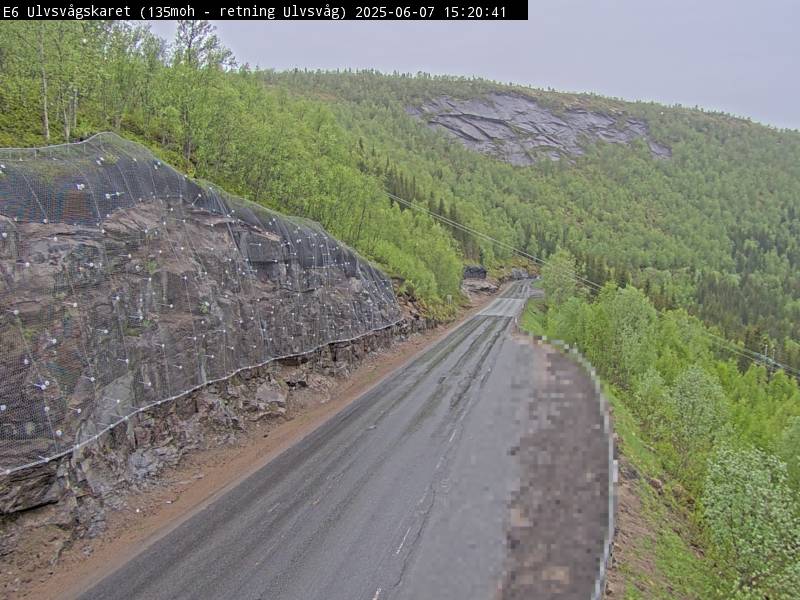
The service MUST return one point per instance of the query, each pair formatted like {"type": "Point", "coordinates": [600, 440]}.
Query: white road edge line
{"type": "Point", "coordinates": [400, 547]}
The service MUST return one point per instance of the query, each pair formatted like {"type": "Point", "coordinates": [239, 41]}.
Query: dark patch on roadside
{"type": "Point", "coordinates": [559, 517]}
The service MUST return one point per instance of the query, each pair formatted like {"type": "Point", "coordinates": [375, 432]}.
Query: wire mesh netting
{"type": "Point", "coordinates": [126, 284]}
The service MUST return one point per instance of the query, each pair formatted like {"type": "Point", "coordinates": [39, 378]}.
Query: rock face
{"type": "Point", "coordinates": [52, 505]}
{"type": "Point", "coordinates": [517, 129]}
{"type": "Point", "coordinates": [125, 285]}
{"type": "Point", "coordinates": [144, 315]}
{"type": "Point", "coordinates": [474, 272]}
{"type": "Point", "coordinates": [478, 286]}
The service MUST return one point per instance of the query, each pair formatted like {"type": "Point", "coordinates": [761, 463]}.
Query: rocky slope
{"type": "Point", "coordinates": [124, 284]}
{"type": "Point", "coordinates": [517, 129]}
{"type": "Point", "coordinates": [144, 315]}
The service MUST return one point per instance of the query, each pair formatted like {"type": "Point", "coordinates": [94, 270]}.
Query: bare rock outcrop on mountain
{"type": "Point", "coordinates": [517, 129]}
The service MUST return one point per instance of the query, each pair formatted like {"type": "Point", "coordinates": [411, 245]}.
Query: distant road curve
{"type": "Point", "coordinates": [479, 470]}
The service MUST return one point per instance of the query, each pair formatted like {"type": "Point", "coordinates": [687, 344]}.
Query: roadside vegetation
{"type": "Point", "coordinates": [720, 444]}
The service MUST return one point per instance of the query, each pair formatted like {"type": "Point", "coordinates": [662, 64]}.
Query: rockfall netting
{"type": "Point", "coordinates": [126, 284]}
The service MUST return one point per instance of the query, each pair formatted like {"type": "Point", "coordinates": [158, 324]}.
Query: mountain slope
{"type": "Point", "coordinates": [714, 226]}
{"type": "Point", "coordinates": [699, 210]}
{"type": "Point", "coordinates": [516, 129]}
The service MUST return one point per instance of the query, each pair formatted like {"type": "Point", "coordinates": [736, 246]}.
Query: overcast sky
{"type": "Point", "coordinates": [739, 56]}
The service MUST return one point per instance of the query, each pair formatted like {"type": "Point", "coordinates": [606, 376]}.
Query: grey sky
{"type": "Point", "coordinates": [739, 56]}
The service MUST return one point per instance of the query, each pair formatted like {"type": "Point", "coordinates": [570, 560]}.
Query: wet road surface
{"type": "Point", "coordinates": [403, 495]}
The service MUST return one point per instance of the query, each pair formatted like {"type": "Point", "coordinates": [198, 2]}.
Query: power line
{"type": "Point", "coordinates": [752, 354]}
{"type": "Point", "coordinates": [719, 341]}
{"type": "Point", "coordinates": [467, 229]}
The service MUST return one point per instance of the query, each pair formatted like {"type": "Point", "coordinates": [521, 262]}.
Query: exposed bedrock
{"type": "Point", "coordinates": [143, 314]}
{"type": "Point", "coordinates": [49, 507]}
{"type": "Point", "coordinates": [474, 272]}
{"type": "Point", "coordinates": [517, 129]}
{"type": "Point", "coordinates": [124, 284]}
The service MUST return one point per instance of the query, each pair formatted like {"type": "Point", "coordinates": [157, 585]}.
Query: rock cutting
{"type": "Point", "coordinates": [126, 284]}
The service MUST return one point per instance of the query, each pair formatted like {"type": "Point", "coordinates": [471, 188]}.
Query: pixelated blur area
{"type": "Point", "coordinates": [127, 284]}
{"type": "Point", "coordinates": [562, 516]}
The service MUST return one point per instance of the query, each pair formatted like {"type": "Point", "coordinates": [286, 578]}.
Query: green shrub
{"type": "Point", "coordinates": [788, 448]}
{"type": "Point", "coordinates": [751, 517]}
{"type": "Point", "coordinates": [558, 278]}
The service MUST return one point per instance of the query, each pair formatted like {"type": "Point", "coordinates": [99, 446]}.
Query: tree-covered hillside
{"type": "Point", "coordinates": [715, 228]}
{"type": "Point", "coordinates": [716, 450]}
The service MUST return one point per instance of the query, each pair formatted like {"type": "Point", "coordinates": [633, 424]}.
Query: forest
{"type": "Point", "coordinates": [646, 261]}
{"type": "Point", "coordinates": [713, 229]}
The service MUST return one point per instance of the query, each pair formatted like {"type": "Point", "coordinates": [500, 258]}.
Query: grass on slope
{"type": "Point", "coordinates": [531, 319]}
{"type": "Point", "coordinates": [656, 553]}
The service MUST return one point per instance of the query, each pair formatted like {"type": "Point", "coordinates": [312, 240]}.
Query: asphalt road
{"type": "Point", "coordinates": [403, 495]}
